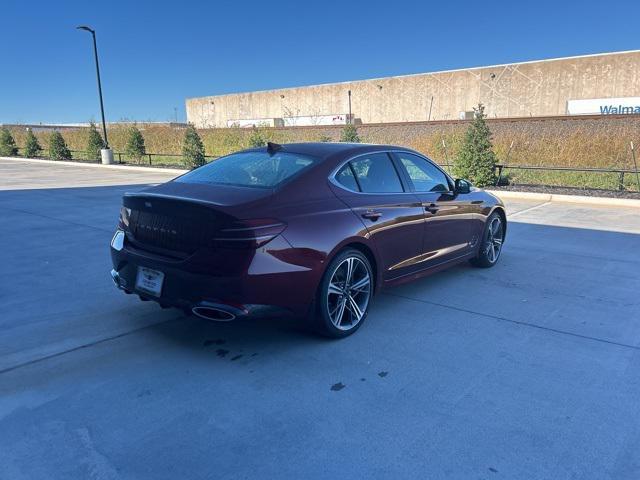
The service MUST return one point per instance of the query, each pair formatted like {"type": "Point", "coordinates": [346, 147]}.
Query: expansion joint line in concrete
{"type": "Point", "coordinates": [80, 347]}
{"type": "Point", "coordinates": [518, 322]}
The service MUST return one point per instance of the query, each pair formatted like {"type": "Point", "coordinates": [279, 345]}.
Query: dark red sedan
{"type": "Point", "coordinates": [310, 229]}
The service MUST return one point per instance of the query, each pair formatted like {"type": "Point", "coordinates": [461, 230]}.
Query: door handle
{"type": "Point", "coordinates": [372, 215]}
{"type": "Point", "coordinates": [431, 208]}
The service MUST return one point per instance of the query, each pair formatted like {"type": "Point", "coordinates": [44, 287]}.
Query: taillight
{"type": "Point", "coordinates": [125, 214]}
{"type": "Point", "coordinates": [251, 233]}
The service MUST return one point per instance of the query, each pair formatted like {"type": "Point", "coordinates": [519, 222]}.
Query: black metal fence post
{"type": "Point", "coordinates": [499, 174]}
{"type": "Point", "coordinates": [620, 181]}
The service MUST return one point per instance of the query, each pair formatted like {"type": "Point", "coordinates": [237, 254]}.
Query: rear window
{"type": "Point", "coordinates": [250, 169]}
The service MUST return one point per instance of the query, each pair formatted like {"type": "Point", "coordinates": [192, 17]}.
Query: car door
{"type": "Point", "coordinates": [392, 215]}
{"type": "Point", "coordinates": [447, 225]}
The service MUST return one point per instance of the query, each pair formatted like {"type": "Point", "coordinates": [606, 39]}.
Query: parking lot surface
{"type": "Point", "coordinates": [527, 370]}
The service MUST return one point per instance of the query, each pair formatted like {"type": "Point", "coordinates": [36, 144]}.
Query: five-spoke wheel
{"type": "Point", "coordinates": [491, 245]}
{"type": "Point", "coordinates": [344, 295]}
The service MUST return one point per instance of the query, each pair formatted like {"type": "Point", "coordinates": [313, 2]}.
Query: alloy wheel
{"type": "Point", "coordinates": [349, 293]}
{"type": "Point", "coordinates": [493, 242]}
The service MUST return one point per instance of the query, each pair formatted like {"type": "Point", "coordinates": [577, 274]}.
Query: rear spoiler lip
{"type": "Point", "coordinates": [143, 195]}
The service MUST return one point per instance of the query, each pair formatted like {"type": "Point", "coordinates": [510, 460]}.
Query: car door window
{"type": "Point", "coordinates": [376, 174]}
{"type": "Point", "coordinates": [425, 176]}
{"type": "Point", "coordinates": [346, 178]}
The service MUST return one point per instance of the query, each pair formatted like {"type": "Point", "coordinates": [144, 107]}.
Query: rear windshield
{"type": "Point", "coordinates": [249, 169]}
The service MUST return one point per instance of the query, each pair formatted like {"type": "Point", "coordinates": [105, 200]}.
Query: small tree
{"type": "Point", "coordinates": [58, 149]}
{"type": "Point", "coordinates": [31, 146]}
{"type": "Point", "coordinates": [7, 143]}
{"type": "Point", "coordinates": [192, 148]}
{"type": "Point", "coordinates": [94, 143]}
{"type": "Point", "coordinates": [350, 134]}
{"type": "Point", "coordinates": [135, 144]}
{"type": "Point", "coordinates": [476, 160]}
{"type": "Point", "coordinates": [257, 139]}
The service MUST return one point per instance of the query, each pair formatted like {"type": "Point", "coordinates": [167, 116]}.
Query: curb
{"type": "Point", "coordinates": [580, 199]}
{"type": "Point", "coordinates": [177, 171]}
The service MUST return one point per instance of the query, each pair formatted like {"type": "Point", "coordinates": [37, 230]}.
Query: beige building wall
{"type": "Point", "coordinates": [538, 88]}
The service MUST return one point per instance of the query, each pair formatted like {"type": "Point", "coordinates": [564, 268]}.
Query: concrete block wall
{"type": "Point", "coordinates": [539, 88]}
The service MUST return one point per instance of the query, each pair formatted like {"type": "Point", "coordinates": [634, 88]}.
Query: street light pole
{"type": "Point", "coordinates": [104, 124]}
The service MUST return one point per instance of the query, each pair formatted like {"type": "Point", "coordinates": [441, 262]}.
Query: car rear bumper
{"type": "Point", "coordinates": [261, 285]}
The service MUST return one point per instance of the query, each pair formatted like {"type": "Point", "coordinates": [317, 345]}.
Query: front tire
{"type": "Point", "coordinates": [492, 240]}
{"type": "Point", "coordinates": [344, 295]}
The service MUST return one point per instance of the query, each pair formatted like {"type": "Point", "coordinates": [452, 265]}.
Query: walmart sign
{"type": "Point", "coordinates": [604, 106]}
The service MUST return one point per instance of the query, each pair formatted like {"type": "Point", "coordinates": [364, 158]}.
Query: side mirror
{"type": "Point", "coordinates": [462, 186]}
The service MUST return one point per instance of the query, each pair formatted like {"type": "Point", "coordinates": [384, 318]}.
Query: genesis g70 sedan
{"type": "Point", "coordinates": [312, 230]}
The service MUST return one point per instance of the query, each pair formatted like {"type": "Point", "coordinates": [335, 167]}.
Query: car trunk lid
{"type": "Point", "coordinates": [176, 219]}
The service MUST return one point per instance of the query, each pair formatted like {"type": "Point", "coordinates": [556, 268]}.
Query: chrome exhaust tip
{"type": "Point", "coordinates": [213, 313]}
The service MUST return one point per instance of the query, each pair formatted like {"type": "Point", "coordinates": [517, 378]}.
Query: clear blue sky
{"type": "Point", "coordinates": [154, 54]}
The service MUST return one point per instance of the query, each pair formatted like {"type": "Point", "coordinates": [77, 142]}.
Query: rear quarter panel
{"type": "Point", "coordinates": [318, 225]}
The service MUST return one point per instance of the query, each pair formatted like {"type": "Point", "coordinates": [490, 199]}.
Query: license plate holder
{"type": "Point", "coordinates": [149, 281]}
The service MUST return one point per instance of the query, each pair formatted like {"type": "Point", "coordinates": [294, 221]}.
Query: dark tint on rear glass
{"type": "Point", "coordinates": [249, 169]}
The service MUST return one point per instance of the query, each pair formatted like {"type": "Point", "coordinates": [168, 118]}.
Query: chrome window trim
{"type": "Point", "coordinates": [334, 172]}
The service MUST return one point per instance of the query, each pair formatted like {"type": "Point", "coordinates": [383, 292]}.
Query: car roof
{"type": "Point", "coordinates": [324, 150]}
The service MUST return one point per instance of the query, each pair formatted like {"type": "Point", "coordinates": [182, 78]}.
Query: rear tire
{"type": "Point", "coordinates": [491, 242]}
{"type": "Point", "coordinates": [344, 295]}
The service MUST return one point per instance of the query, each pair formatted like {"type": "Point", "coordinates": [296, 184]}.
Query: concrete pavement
{"type": "Point", "coordinates": [527, 370]}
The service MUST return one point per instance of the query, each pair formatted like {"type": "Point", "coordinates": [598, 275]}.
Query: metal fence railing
{"type": "Point", "coordinates": [622, 179]}
{"type": "Point", "coordinates": [612, 179]}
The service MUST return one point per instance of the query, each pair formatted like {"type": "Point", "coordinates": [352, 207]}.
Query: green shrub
{"type": "Point", "coordinates": [31, 146]}
{"type": "Point", "coordinates": [324, 139]}
{"type": "Point", "coordinates": [257, 138]}
{"type": "Point", "coordinates": [476, 159]}
{"type": "Point", "coordinates": [193, 149]}
{"type": "Point", "coordinates": [58, 149]}
{"type": "Point", "coordinates": [135, 148]}
{"type": "Point", "coordinates": [7, 144]}
{"type": "Point", "coordinates": [350, 134]}
{"type": "Point", "coordinates": [94, 143]}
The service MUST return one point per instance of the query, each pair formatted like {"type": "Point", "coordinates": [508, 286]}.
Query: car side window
{"type": "Point", "coordinates": [376, 174]}
{"type": "Point", "coordinates": [424, 176]}
{"type": "Point", "coordinates": [346, 178]}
